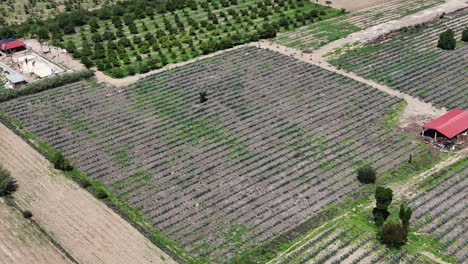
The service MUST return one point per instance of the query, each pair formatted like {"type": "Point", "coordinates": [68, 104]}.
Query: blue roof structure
{"type": "Point", "coordinates": [7, 40]}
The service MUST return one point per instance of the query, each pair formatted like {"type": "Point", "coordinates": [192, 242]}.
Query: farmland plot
{"type": "Point", "coordinates": [412, 63]}
{"type": "Point", "coordinates": [441, 210]}
{"type": "Point", "coordinates": [346, 243]}
{"type": "Point", "coordinates": [22, 243]}
{"type": "Point", "coordinates": [277, 140]}
{"type": "Point", "coordinates": [318, 34]}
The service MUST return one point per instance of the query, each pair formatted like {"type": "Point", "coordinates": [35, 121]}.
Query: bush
{"type": "Point", "coordinates": [82, 182]}
{"type": "Point", "coordinates": [60, 163]}
{"type": "Point", "coordinates": [101, 193]}
{"type": "Point", "coordinates": [366, 174]}
{"type": "Point", "coordinates": [447, 40]}
{"type": "Point", "coordinates": [27, 214]}
{"type": "Point", "coordinates": [7, 183]}
{"type": "Point", "coordinates": [393, 234]}
{"type": "Point", "coordinates": [465, 35]}
{"type": "Point", "coordinates": [203, 97]}
{"type": "Point", "coordinates": [46, 84]}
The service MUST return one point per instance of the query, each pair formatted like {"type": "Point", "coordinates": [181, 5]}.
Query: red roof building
{"type": "Point", "coordinates": [449, 125]}
{"type": "Point", "coordinates": [12, 45]}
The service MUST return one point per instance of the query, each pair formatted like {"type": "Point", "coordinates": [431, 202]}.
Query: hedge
{"type": "Point", "coordinates": [46, 84]}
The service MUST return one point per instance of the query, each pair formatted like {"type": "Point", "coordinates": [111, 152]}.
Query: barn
{"type": "Point", "coordinates": [449, 125]}
{"type": "Point", "coordinates": [11, 45]}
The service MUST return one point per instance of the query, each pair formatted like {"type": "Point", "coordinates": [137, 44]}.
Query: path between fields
{"type": "Point", "coordinates": [84, 226]}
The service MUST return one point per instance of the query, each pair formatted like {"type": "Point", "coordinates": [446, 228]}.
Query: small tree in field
{"type": "Point", "coordinates": [383, 199]}
{"type": "Point", "coordinates": [405, 215]}
{"type": "Point", "coordinates": [7, 183]}
{"type": "Point", "coordinates": [447, 40]}
{"type": "Point", "coordinates": [366, 174]}
{"type": "Point", "coordinates": [203, 97]}
{"type": "Point", "coordinates": [465, 35]}
{"type": "Point", "coordinates": [393, 234]}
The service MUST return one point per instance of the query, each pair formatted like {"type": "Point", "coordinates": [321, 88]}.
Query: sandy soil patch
{"type": "Point", "coordinates": [21, 243]}
{"type": "Point", "coordinates": [84, 226]}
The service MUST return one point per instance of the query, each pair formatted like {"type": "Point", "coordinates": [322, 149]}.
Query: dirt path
{"type": "Point", "coordinates": [85, 227]}
{"type": "Point", "coordinates": [434, 258]}
{"type": "Point", "coordinates": [21, 242]}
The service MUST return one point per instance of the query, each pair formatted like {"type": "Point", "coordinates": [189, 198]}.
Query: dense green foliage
{"type": "Point", "coordinates": [383, 199]}
{"type": "Point", "coordinates": [447, 40]}
{"type": "Point", "coordinates": [139, 36]}
{"type": "Point", "coordinates": [7, 183]}
{"type": "Point", "coordinates": [101, 193]}
{"type": "Point", "coordinates": [465, 35]}
{"type": "Point", "coordinates": [46, 84]}
{"type": "Point", "coordinates": [405, 215]}
{"type": "Point", "coordinates": [366, 174]}
{"type": "Point", "coordinates": [60, 163]}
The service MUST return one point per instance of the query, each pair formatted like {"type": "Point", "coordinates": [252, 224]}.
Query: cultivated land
{"type": "Point", "coordinates": [21, 242]}
{"type": "Point", "coordinates": [442, 210]}
{"type": "Point", "coordinates": [255, 160]}
{"type": "Point", "coordinates": [412, 63]}
{"type": "Point", "coordinates": [83, 226]}
{"type": "Point", "coordinates": [122, 46]}
{"type": "Point", "coordinates": [319, 34]}
{"type": "Point", "coordinates": [16, 11]}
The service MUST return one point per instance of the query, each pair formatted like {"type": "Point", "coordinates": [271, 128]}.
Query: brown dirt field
{"type": "Point", "coordinates": [21, 242]}
{"type": "Point", "coordinates": [84, 226]}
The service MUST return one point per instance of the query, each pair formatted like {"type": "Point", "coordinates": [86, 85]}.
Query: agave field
{"type": "Point", "coordinates": [318, 34]}
{"type": "Point", "coordinates": [412, 63]}
{"type": "Point", "coordinates": [346, 243]}
{"type": "Point", "coordinates": [277, 140]}
{"type": "Point", "coordinates": [441, 210]}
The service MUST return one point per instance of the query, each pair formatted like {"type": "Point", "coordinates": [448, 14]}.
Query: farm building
{"type": "Point", "coordinates": [13, 79]}
{"type": "Point", "coordinates": [448, 129]}
{"type": "Point", "coordinates": [11, 45]}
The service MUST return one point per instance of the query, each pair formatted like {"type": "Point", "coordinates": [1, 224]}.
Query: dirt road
{"type": "Point", "coordinates": [352, 5]}
{"type": "Point", "coordinates": [85, 227]}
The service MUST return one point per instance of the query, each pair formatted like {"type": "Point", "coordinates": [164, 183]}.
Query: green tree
{"type": "Point", "coordinates": [59, 161]}
{"type": "Point", "coordinates": [383, 198]}
{"type": "Point", "coordinates": [465, 35]}
{"type": "Point", "coordinates": [405, 215]}
{"type": "Point", "coordinates": [447, 40]}
{"type": "Point", "coordinates": [366, 174]}
{"type": "Point", "coordinates": [393, 234]}
{"type": "Point", "coordinates": [8, 185]}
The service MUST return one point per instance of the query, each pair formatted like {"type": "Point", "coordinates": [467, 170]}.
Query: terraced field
{"type": "Point", "coordinates": [277, 140]}
{"type": "Point", "coordinates": [318, 34]}
{"type": "Point", "coordinates": [442, 210]}
{"type": "Point", "coordinates": [412, 63]}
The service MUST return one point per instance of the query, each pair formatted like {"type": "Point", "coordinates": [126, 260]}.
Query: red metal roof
{"type": "Point", "coordinates": [12, 45]}
{"type": "Point", "coordinates": [451, 124]}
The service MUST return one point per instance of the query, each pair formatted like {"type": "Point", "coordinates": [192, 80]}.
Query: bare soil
{"type": "Point", "coordinates": [85, 227]}
{"type": "Point", "coordinates": [21, 243]}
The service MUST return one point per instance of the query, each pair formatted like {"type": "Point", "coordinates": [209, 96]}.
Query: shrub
{"type": "Point", "coordinates": [447, 40]}
{"type": "Point", "coordinates": [49, 83]}
{"type": "Point", "coordinates": [7, 183]}
{"type": "Point", "coordinates": [60, 163]}
{"type": "Point", "coordinates": [465, 35]}
{"type": "Point", "coordinates": [405, 215]}
{"type": "Point", "coordinates": [393, 234]}
{"type": "Point", "coordinates": [101, 193]}
{"type": "Point", "coordinates": [27, 214]}
{"type": "Point", "coordinates": [383, 197]}
{"type": "Point", "coordinates": [203, 97]}
{"type": "Point", "coordinates": [82, 182]}
{"type": "Point", "coordinates": [366, 174]}
{"type": "Point", "coordinates": [380, 215]}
